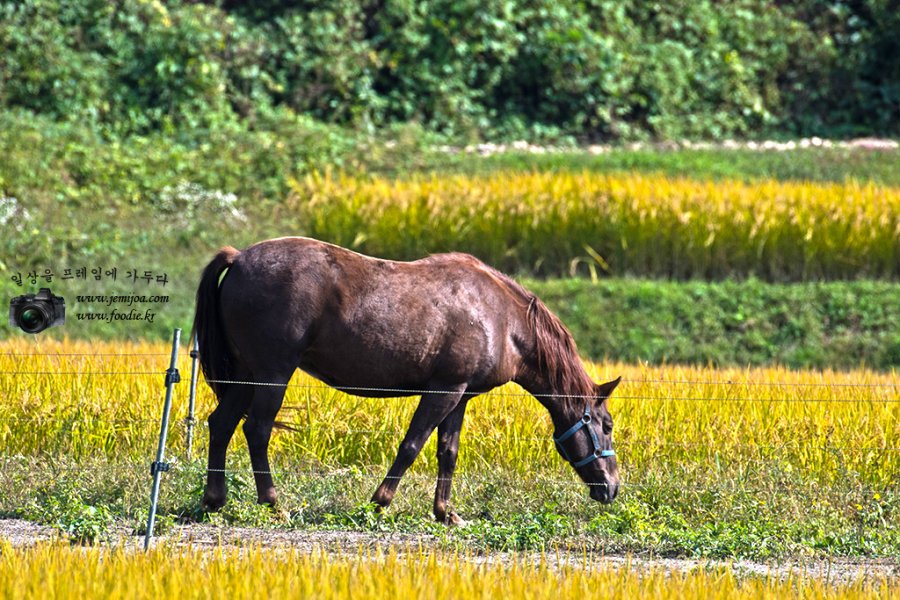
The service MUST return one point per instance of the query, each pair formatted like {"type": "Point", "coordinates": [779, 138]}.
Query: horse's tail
{"type": "Point", "coordinates": [215, 357]}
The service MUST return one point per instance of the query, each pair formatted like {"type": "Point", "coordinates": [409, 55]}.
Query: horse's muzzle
{"type": "Point", "coordinates": [605, 493]}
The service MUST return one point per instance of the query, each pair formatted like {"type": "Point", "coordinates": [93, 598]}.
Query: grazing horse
{"type": "Point", "coordinates": [447, 327]}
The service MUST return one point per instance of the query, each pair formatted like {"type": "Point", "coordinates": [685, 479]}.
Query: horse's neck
{"type": "Point", "coordinates": [550, 368]}
{"type": "Point", "coordinates": [561, 401]}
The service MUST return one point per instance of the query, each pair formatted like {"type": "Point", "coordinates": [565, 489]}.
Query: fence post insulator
{"type": "Point", "coordinates": [159, 467]}
{"type": "Point", "coordinates": [172, 376]}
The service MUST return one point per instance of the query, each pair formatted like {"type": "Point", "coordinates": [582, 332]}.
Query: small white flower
{"type": "Point", "coordinates": [13, 214]}
{"type": "Point", "coordinates": [187, 202]}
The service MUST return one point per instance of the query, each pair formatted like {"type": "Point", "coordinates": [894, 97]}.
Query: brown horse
{"type": "Point", "coordinates": [448, 326]}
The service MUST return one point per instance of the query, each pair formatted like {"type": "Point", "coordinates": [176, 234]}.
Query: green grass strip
{"type": "Point", "coordinates": [801, 164]}
{"type": "Point", "coordinates": [836, 324]}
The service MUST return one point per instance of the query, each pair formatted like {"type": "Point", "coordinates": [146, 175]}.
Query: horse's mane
{"type": "Point", "coordinates": [557, 355]}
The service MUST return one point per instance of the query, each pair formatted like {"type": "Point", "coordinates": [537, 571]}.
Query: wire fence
{"type": "Point", "coordinates": [407, 393]}
{"type": "Point", "coordinates": [761, 453]}
{"type": "Point", "coordinates": [402, 393]}
{"type": "Point", "coordinates": [817, 442]}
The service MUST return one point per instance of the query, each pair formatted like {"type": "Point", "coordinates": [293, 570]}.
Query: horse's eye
{"type": "Point", "coordinates": [607, 426]}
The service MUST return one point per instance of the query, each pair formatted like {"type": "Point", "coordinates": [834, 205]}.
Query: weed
{"type": "Point", "coordinates": [64, 508]}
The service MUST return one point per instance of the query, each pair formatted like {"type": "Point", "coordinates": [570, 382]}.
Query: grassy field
{"type": "Point", "coordinates": [58, 572]}
{"type": "Point", "coordinates": [717, 462]}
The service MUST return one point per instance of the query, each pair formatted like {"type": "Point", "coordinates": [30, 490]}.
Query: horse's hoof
{"type": "Point", "coordinates": [454, 520]}
{"type": "Point", "coordinates": [212, 504]}
{"type": "Point", "coordinates": [269, 501]}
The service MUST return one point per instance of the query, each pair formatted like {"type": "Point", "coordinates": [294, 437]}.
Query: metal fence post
{"type": "Point", "coordinates": [190, 421]}
{"type": "Point", "coordinates": [159, 466]}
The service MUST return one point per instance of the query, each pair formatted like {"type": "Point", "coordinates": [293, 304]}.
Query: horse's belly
{"type": "Point", "coordinates": [365, 378]}
{"type": "Point", "coordinates": [396, 360]}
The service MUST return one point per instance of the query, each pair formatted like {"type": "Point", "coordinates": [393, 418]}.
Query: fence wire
{"type": "Point", "coordinates": [404, 393]}
{"type": "Point", "coordinates": [496, 392]}
{"type": "Point", "coordinates": [80, 373]}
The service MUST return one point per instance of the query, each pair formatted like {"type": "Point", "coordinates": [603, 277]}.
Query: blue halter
{"type": "Point", "coordinates": [583, 422]}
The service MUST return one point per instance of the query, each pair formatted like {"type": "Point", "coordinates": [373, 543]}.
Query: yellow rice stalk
{"type": "Point", "coordinates": [825, 426]}
{"type": "Point", "coordinates": [58, 572]}
{"type": "Point", "coordinates": [625, 223]}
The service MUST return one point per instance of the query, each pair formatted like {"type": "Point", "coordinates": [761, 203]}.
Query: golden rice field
{"type": "Point", "coordinates": [90, 400]}
{"type": "Point", "coordinates": [644, 224]}
{"type": "Point", "coordinates": [57, 572]}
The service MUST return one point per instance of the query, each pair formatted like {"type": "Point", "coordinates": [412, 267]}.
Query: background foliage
{"type": "Point", "coordinates": [202, 117]}
{"type": "Point", "coordinates": [539, 68]}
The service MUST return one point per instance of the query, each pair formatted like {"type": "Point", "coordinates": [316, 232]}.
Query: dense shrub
{"type": "Point", "coordinates": [128, 67]}
{"type": "Point", "coordinates": [599, 69]}
{"type": "Point", "coordinates": [846, 77]}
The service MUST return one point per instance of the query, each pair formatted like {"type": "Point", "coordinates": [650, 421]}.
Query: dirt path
{"type": "Point", "coordinates": [22, 533]}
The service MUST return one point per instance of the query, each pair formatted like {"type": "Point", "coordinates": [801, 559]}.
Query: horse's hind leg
{"type": "Point", "coordinates": [447, 451]}
{"type": "Point", "coordinates": [258, 431]}
{"type": "Point", "coordinates": [222, 423]}
{"type": "Point", "coordinates": [433, 409]}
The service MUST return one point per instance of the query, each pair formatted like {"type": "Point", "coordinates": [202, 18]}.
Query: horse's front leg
{"type": "Point", "coordinates": [447, 451]}
{"type": "Point", "coordinates": [433, 409]}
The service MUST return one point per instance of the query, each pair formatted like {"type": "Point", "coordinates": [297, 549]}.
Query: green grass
{"type": "Point", "coordinates": [810, 164]}
{"type": "Point", "coordinates": [754, 518]}
{"type": "Point", "coordinates": [836, 324]}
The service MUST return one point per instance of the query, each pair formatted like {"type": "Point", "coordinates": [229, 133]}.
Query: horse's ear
{"type": "Point", "coordinates": [605, 390]}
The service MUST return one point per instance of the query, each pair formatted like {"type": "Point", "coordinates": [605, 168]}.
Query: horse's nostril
{"type": "Point", "coordinates": [599, 493]}
{"type": "Point", "coordinates": [605, 492]}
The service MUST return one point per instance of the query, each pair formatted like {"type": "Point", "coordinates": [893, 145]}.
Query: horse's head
{"type": "Point", "coordinates": [586, 443]}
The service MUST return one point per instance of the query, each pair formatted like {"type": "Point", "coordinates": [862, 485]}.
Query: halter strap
{"type": "Point", "coordinates": [583, 422]}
